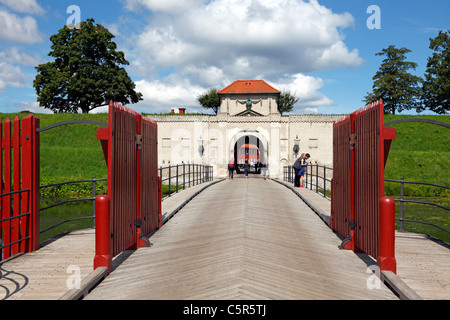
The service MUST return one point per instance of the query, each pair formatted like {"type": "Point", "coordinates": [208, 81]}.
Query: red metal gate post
{"type": "Point", "coordinates": [386, 259]}
{"type": "Point", "coordinates": [351, 244]}
{"type": "Point", "coordinates": [103, 250]}
{"type": "Point", "coordinates": [6, 188]}
{"type": "Point", "coordinates": [139, 241]}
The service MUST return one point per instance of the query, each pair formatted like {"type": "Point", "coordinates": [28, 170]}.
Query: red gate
{"type": "Point", "coordinates": [19, 190]}
{"type": "Point", "coordinates": [360, 148]}
{"type": "Point", "coordinates": [130, 148]}
{"type": "Point", "coordinates": [149, 183]}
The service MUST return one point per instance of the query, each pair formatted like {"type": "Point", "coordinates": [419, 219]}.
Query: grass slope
{"type": "Point", "coordinates": [69, 152]}
{"type": "Point", "coordinates": [421, 152]}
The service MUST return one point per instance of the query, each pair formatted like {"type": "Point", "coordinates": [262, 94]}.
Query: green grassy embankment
{"type": "Point", "coordinates": [421, 153]}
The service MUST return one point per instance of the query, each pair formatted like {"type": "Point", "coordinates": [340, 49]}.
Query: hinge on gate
{"type": "Point", "coordinates": [352, 224]}
{"type": "Point", "coordinates": [352, 138]}
{"type": "Point", "coordinates": [138, 139]}
{"type": "Point", "coordinates": [344, 242]}
{"type": "Point", "coordinates": [138, 223]}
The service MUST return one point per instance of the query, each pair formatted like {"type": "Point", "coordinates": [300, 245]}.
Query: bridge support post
{"type": "Point", "coordinates": [386, 259]}
{"type": "Point", "coordinates": [103, 252]}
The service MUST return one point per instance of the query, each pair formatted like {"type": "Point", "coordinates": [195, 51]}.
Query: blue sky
{"type": "Point", "coordinates": [321, 50]}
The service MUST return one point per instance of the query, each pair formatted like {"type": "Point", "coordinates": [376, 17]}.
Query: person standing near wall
{"type": "Point", "coordinates": [297, 167]}
{"type": "Point", "coordinates": [231, 169]}
{"type": "Point", "coordinates": [303, 164]}
{"type": "Point", "coordinates": [246, 167]}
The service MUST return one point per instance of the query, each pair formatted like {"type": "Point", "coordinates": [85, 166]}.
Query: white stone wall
{"type": "Point", "coordinates": [181, 136]}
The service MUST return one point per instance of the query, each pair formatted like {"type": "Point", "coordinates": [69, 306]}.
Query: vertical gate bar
{"type": "Point", "coordinates": [35, 183]}
{"type": "Point", "coordinates": [170, 182]}
{"type": "Point", "coordinates": [93, 201]}
{"type": "Point", "coordinates": [16, 186]}
{"type": "Point", "coordinates": [317, 177]}
{"type": "Point", "coordinates": [138, 177]}
{"type": "Point", "coordinates": [402, 193]}
{"type": "Point", "coordinates": [7, 188]}
{"type": "Point", "coordinates": [1, 188]}
{"type": "Point", "coordinates": [352, 183]}
{"type": "Point", "coordinates": [27, 168]}
{"type": "Point", "coordinates": [176, 180]}
{"type": "Point", "coordinates": [159, 203]}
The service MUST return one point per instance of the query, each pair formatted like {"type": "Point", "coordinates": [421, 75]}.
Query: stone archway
{"type": "Point", "coordinates": [251, 140]}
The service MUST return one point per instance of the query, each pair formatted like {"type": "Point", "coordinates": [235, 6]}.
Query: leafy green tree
{"type": "Point", "coordinates": [86, 72]}
{"type": "Point", "coordinates": [210, 100]}
{"type": "Point", "coordinates": [398, 88]}
{"type": "Point", "coordinates": [286, 101]}
{"type": "Point", "coordinates": [436, 86]}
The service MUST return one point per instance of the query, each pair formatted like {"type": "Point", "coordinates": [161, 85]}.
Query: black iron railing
{"type": "Point", "coordinates": [93, 181]}
{"type": "Point", "coordinates": [316, 180]}
{"type": "Point", "coordinates": [185, 175]}
{"type": "Point", "coordinates": [403, 200]}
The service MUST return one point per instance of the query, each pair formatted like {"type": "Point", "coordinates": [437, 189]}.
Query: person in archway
{"type": "Point", "coordinates": [231, 169]}
{"type": "Point", "coordinates": [246, 165]}
{"type": "Point", "coordinates": [297, 166]}
{"type": "Point", "coordinates": [303, 164]}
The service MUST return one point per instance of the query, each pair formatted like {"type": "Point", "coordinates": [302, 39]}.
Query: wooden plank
{"type": "Point", "coordinates": [256, 240]}
{"type": "Point", "coordinates": [405, 292]}
{"type": "Point", "coordinates": [88, 283]}
{"type": "Point", "coordinates": [43, 274]}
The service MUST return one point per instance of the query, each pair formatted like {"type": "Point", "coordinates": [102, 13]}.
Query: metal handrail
{"type": "Point", "coordinates": [93, 180]}
{"type": "Point", "coordinates": [12, 217]}
{"type": "Point", "coordinates": [415, 182]}
{"type": "Point", "coordinates": [199, 174]}
{"type": "Point", "coordinates": [288, 177]}
{"type": "Point", "coordinates": [195, 173]}
{"type": "Point", "coordinates": [402, 200]}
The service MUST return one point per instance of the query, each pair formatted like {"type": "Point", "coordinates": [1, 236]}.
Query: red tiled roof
{"type": "Point", "coordinates": [249, 86]}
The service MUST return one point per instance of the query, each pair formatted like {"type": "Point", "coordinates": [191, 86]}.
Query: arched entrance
{"type": "Point", "coordinates": [250, 146]}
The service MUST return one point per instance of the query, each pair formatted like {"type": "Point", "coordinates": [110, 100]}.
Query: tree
{"type": "Point", "coordinates": [436, 86]}
{"type": "Point", "coordinates": [394, 84]}
{"type": "Point", "coordinates": [286, 101]}
{"type": "Point", "coordinates": [210, 100]}
{"type": "Point", "coordinates": [86, 72]}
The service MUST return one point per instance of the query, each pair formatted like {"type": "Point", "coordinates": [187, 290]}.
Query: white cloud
{"type": "Point", "coordinates": [17, 29]}
{"type": "Point", "coordinates": [212, 43]}
{"type": "Point", "coordinates": [32, 107]}
{"type": "Point", "coordinates": [24, 6]}
{"type": "Point", "coordinates": [12, 55]}
{"type": "Point", "coordinates": [306, 89]}
{"type": "Point", "coordinates": [10, 75]}
{"type": "Point", "coordinates": [161, 96]}
{"type": "Point", "coordinates": [166, 6]}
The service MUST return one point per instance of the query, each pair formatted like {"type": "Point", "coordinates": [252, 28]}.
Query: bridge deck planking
{"type": "Point", "coordinates": [44, 274]}
{"type": "Point", "coordinates": [228, 244]}
{"type": "Point", "coordinates": [421, 263]}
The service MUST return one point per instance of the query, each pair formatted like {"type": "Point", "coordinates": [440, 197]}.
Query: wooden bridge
{"type": "Point", "coordinates": [224, 239]}
{"type": "Point", "coordinates": [240, 239]}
